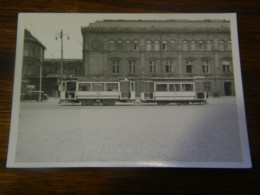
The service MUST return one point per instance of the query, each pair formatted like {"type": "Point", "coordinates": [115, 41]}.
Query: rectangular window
{"type": "Point", "coordinates": [168, 68]}
{"type": "Point", "coordinates": [188, 68]}
{"type": "Point", "coordinates": [205, 68]}
{"type": "Point", "coordinates": [174, 87]}
{"type": "Point", "coordinates": [84, 87]}
{"type": "Point", "coordinates": [152, 66]}
{"type": "Point", "coordinates": [189, 64]}
{"type": "Point", "coordinates": [135, 46]}
{"type": "Point", "coordinates": [112, 87]}
{"type": "Point", "coordinates": [98, 87]}
{"type": "Point", "coordinates": [131, 66]}
{"type": "Point", "coordinates": [161, 87]}
{"type": "Point", "coordinates": [115, 66]}
{"type": "Point", "coordinates": [187, 87]}
{"type": "Point", "coordinates": [226, 68]}
{"type": "Point", "coordinates": [164, 46]}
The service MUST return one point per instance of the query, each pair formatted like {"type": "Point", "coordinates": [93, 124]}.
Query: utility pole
{"type": "Point", "coordinates": [40, 83]}
{"type": "Point", "coordinates": [61, 34]}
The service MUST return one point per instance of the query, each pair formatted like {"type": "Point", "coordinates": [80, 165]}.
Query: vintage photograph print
{"type": "Point", "coordinates": [128, 90]}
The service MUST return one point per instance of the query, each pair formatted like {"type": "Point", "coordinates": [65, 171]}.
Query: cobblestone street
{"type": "Point", "coordinates": [50, 132]}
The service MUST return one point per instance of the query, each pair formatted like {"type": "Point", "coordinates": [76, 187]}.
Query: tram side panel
{"type": "Point", "coordinates": [90, 92]}
{"type": "Point", "coordinates": [180, 93]}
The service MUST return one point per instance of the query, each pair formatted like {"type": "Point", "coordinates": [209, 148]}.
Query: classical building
{"type": "Point", "coordinates": [72, 68]}
{"type": "Point", "coordinates": [161, 50]}
{"type": "Point", "coordinates": [33, 56]}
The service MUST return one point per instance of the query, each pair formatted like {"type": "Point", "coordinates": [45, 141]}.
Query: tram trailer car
{"type": "Point", "coordinates": [181, 93]}
{"type": "Point", "coordinates": [90, 93]}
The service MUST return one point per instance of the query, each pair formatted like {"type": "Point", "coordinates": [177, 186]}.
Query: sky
{"type": "Point", "coordinates": [47, 26]}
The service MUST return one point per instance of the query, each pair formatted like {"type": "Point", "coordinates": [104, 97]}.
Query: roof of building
{"type": "Point", "coordinates": [55, 61]}
{"type": "Point", "coordinates": [158, 26]}
{"type": "Point", "coordinates": [29, 37]}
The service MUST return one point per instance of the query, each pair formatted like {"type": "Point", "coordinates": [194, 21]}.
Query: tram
{"type": "Point", "coordinates": [92, 92]}
{"type": "Point", "coordinates": [164, 93]}
{"type": "Point", "coordinates": [107, 93]}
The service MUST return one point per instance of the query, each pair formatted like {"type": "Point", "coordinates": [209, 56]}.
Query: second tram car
{"type": "Point", "coordinates": [164, 93]}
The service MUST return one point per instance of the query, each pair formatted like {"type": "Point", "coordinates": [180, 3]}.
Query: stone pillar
{"type": "Point", "coordinates": [179, 64]}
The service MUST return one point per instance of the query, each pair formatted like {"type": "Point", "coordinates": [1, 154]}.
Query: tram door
{"type": "Point", "coordinates": [147, 88]}
{"type": "Point", "coordinates": [67, 90]}
{"type": "Point", "coordinates": [127, 90]}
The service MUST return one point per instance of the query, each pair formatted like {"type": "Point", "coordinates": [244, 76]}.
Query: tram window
{"type": "Point", "coordinates": [187, 87]}
{"type": "Point", "coordinates": [174, 87]}
{"type": "Point", "coordinates": [111, 87]}
{"type": "Point", "coordinates": [98, 87]}
{"type": "Point", "coordinates": [71, 86]}
{"type": "Point", "coordinates": [161, 87]}
{"type": "Point", "coordinates": [84, 86]}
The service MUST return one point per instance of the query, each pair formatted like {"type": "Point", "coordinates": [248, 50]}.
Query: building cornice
{"type": "Point", "coordinates": [166, 26]}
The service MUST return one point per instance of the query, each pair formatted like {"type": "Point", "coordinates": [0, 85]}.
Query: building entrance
{"type": "Point", "coordinates": [227, 88]}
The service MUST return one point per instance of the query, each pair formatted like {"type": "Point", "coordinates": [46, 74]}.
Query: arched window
{"type": "Point", "coordinates": [136, 45]}
{"type": "Point", "coordinates": [119, 44]}
{"type": "Point", "coordinates": [226, 66]}
{"type": "Point", "coordinates": [128, 45]}
{"type": "Point", "coordinates": [185, 45]}
{"type": "Point", "coordinates": [221, 45]}
{"type": "Point", "coordinates": [201, 45]}
{"type": "Point", "coordinates": [111, 44]}
{"type": "Point", "coordinates": [156, 46]}
{"type": "Point", "coordinates": [209, 45]}
{"type": "Point", "coordinates": [173, 44]}
{"type": "Point", "coordinates": [164, 45]}
{"type": "Point", "coordinates": [193, 45]}
{"type": "Point", "coordinates": [148, 45]}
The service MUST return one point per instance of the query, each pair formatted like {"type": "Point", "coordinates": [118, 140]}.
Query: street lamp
{"type": "Point", "coordinates": [61, 34]}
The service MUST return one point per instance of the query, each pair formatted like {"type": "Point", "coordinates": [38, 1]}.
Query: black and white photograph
{"type": "Point", "coordinates": [128, 90]}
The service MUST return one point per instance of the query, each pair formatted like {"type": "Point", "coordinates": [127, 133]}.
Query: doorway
{"type": "Point", "coordinates": [228, 88]}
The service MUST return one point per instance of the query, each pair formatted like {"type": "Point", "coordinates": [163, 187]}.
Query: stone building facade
{"type": "Point", "coordinates": [161, 50]}
{"type": "Point", "coordinates": [33, 56]}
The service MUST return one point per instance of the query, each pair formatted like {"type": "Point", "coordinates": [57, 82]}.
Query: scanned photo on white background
{"type": "Point", "coordinates": [128, 90]}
